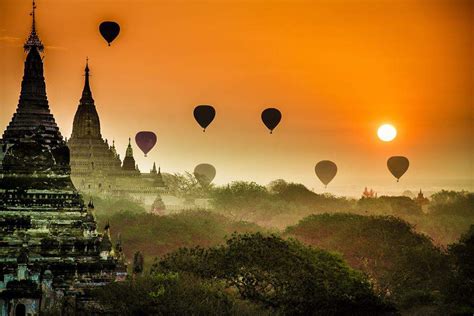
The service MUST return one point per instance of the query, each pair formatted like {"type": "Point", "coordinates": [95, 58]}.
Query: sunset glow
{"type": "Point", "coordinates": [288, 157]}
{"type": "Point", "coordinates": [326, 65]}
{"type": "Point", "coordinates": [387, 132]}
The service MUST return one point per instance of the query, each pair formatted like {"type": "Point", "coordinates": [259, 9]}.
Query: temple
{"type": "Point", "coordinates": [422, 201]}
{"type": "Point", "coordinates": [96, 168]}
{"type": "Point", "coordinates": [90, 154]}
{"type": "Point", "coordinates": [50, 250]}
{"type": "Point", "coordinates": [369, 194]}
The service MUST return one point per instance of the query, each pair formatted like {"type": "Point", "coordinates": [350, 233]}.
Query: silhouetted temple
{"type": "Point", "coordinates": [96, 167]}
{"type": "Point", "coordinates": [50, 250]}
{"type": "Point", "coordinates": [90, 154]}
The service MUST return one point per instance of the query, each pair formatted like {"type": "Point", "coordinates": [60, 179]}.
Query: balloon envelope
{"type": "Point", "coordinates": [109, 30]}
{"type": "Point", "coordinates": [204, 115]}
{"type": "Point", "coordinates": [398, 165]}
{"type": "Point", "coordinates": [145, 141]}
{"type": "Point", "coordinates": [326, 171]}
{"type": "Point", "coordinates": [204, 173]}
{"type": "Point", "coordinates": [271, 117]}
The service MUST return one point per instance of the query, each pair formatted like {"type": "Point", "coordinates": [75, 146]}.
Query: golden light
{"type": "Point", "coordinates": [387, 132]}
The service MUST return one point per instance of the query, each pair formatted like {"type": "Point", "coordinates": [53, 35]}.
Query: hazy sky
{"type": "Point", "coordinates": [336, 70]}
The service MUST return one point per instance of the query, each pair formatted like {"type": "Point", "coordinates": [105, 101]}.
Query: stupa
{"type": "Point", "coordinates": [50, 250]}
{"type": "Point", "coordinates": [96, 168]}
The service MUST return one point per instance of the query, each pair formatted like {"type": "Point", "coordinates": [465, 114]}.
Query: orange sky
{"type": "Point", "coordinates": [336, 70]}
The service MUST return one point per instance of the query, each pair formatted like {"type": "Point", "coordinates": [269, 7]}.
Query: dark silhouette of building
{"type": "Point", "coordinates": [129, 161]}
{"type": "Point", "coordinates": [93, 161]}
{"type": "Point", "coordinates": [49, 245]}
{"type": "Point", "coordinates": [96, 168]}
{"type": "Point", "coordinates": [421, 200]}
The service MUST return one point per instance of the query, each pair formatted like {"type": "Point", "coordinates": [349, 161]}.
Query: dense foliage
{"type": "Point", "coordinates": [403, 264]}
{"type": "Point", "coordinates": [389, 205]}
{"type": "Point", "coordinates": [156, 235]}
{"type": "Point", "coordinates": [452, 203]}
{"type": "Point", "coordinates": [250, 201]}
{"type": "Point", "coordinates": [252, 272]}
{"type": "Point", "coordinates": [185, 185]}
{"type": "Point", "coordinates": [171, 294]}
{"type": "Point", "coordinates": [460, 290]}
{"type": "Point", "coordinates": [282, 204]}
{"type": "Point", "coordinates": [282, 275]}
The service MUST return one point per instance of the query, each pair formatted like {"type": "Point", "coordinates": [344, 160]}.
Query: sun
{"type": "Point", "coordinates": [387, 132]}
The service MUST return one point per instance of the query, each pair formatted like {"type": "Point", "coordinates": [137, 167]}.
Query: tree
{"type": "Point", "coordinates": [171, 294]}
{"type": "Point", "coordinates": [138, 263]}
{"type": "Point", "coordinates": [404, 265]}
{"type": "Point", "coordinates": [460, 290]}
{"type": "Point", "coordinates": [243, 200]}
{"type": "Point", "coordinates": [282, 275]}
{"type": "Point", "coordinates": [389, 205]}
{"type": "Point", "coordinates": [250, 201]}
{"type": "Point", "coordinates": [452, 203]}
{"type": "Point", "coordinates": [185, 185]}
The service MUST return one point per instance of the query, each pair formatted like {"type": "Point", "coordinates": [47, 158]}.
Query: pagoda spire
{"type": "Point", "coordinates": [129, 161]}
{"type": "Point", "coordinates": [129, 152]}
{"type": "Point", "coordinates": [86, 92]}
{"type": "Point", "coordinates": [33, 110]}
{"type": "Point", "coordinates": [86, 122]}
{"type": "Point", "coordinates": [33, 40]}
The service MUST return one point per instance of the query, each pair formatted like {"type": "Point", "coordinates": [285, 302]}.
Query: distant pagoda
{"type": "Point", "coordinates": [96, 167]}
{"type": "Point", "coordinates": [91, 155]}
{"type": "Point", "coordinates": [49, 245]}
{"type": "Point", "coordinates": [129, 161]}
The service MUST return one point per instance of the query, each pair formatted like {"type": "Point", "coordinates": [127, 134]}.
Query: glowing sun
{"type": "Point", "coordinates": [387, 132]}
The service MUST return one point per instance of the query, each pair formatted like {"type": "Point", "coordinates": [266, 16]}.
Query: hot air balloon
{"type": "Point", "coordinates": [271, 117]}
{"type": "Point", "coordinates": [398, 165]}
{"type": "Point", "coordinates": [204, 115]}
{"type": "Point", "coordinates": [204, 174]}
{"type": "Point", "coordinates": [326, 171]}
{"type": "Point", "coordinates": [109, 30]}
{"type": "Point", "coordinates": [145, 141]}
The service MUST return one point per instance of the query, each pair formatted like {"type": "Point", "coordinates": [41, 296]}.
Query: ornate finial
{"type": "Point", "coordinates": [33, 26]}
{"type": "Point", "coordinates": [129, 151]}
{"type": "Point", "coordinates": [86, 97]}
{"type": "Point", "coordinates": [87, 66]}
{"type": "Point", "coordinates": [33, 40]}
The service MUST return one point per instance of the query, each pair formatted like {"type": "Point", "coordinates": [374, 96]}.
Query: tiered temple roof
{"type": "Point", "coordinates": [129, 161]}
{"type": "Point", "coordinates": [90, 154]}
{"type": "Point", "coordinates": [48, 238]}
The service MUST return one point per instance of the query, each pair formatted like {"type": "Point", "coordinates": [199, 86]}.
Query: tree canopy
{"type": "Point", "coordinates": [404, 265]}
{"type": "Point", "coordinates": [283, 275]}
